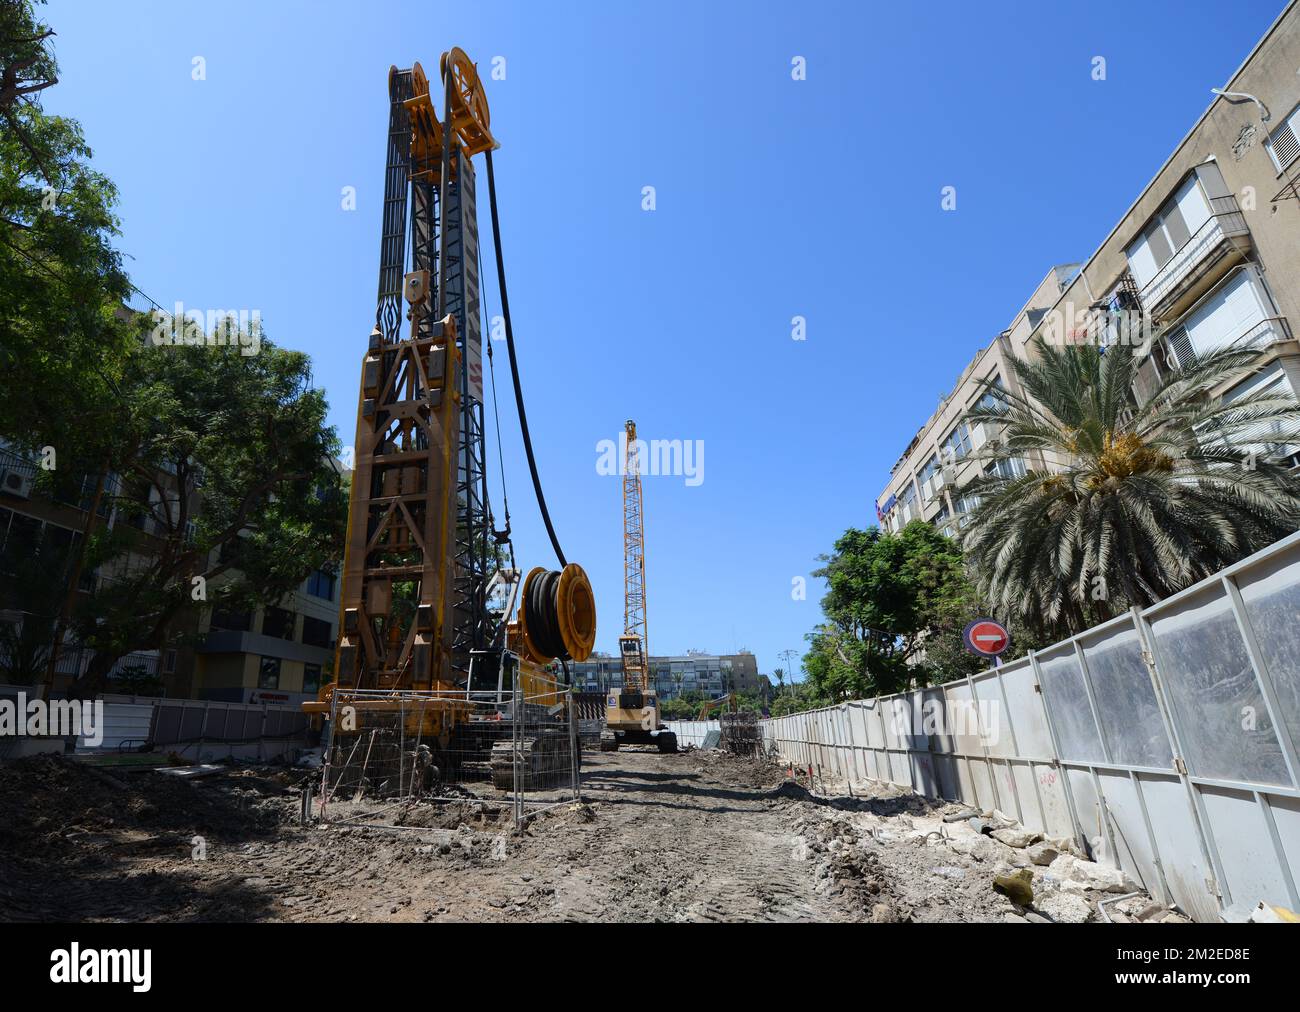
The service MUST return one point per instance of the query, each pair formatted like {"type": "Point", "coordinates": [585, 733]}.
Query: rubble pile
{"type": "Point", "coordinates": [900, 857]}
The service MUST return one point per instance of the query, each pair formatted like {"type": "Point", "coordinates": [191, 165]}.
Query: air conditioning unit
{"type": "Point", "coordinates": [16, 483]}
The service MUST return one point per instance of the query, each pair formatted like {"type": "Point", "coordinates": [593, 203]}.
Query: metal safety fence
{"type": "Point", "coordinates": [387, 753]}
{"type": "Point", "coordinates": [1163, 741]}
{"type": "Point", "coordinates": [697, 733]}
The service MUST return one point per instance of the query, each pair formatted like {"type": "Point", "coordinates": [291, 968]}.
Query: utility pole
{"type": "Point", "coordinates": [785, 655]}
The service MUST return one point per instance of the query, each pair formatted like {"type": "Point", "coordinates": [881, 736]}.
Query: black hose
{"type": "Point", "coordinates": [514, 364]}
{"type": "Point", "coordinates": [540, 615]}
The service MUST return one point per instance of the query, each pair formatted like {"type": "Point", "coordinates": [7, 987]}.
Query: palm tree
{"type": "Point", "coordinates": [1140, 501]}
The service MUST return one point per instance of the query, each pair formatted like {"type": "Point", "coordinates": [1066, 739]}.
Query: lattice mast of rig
{"type": "Point", "coordinates": [415, 568]}
{"type": "Point", "coordinates": [634, 599]}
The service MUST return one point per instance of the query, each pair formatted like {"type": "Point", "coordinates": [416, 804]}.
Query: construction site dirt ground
{"type": "Point", "coordinates": [697, 836]}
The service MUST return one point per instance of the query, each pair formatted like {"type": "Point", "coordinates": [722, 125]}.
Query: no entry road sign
{"type": "Point", "coordinates": [986, 637]}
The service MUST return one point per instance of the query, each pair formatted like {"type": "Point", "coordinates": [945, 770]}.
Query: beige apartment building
{"type": "Point", "coordinates": [1208, 255]}
{"type": "Point", "coordinates": [941, 458]}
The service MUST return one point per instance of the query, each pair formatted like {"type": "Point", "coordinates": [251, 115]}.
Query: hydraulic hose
{"type": "Point", "coordinates": [514, 362]}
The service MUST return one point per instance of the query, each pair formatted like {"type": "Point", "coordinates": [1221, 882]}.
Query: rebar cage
{"type": "Point", "coordinates": [389, 752]}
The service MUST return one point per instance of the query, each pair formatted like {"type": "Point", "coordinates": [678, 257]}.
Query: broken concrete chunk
{"type": "Point", "coordinates": [1016, 836]}
{"type": "Point", "coordinates": [1065, 845]}
{"type": "Point", "coordinates": [1042, 853]}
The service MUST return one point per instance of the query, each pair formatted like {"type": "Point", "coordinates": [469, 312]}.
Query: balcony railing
{"type": "Point", "coordinates": [1268, 331]}
{"type": "Point", "coordinates": [1224, 232]}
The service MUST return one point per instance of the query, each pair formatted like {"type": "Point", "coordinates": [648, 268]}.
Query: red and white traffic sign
{"type": "Point", "coordinates": [986, 637]}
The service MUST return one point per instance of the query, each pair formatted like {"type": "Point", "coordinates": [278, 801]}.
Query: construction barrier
{"type": "Point", "coordinates": [1163, 741]}
{"type": "Point", "coordinates": [693, 732]}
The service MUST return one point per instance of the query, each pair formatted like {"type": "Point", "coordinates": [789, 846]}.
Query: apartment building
{"type": "Point", "coordinates": [273, 654]}
{"type": "Point", "coordinates": [675, 675]}
{"type": "Point", "coordinates": [45, 528]}
{"type": "Point", "coordinates": [940, 459]}
{"type": "Point", "coordinates": [1208, 255]}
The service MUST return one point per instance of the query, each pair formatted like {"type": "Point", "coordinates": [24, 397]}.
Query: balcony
{"type": "Point", "coordinates": [1174, 351]}
{"type": "Point", "coordinates": [1216, 246]}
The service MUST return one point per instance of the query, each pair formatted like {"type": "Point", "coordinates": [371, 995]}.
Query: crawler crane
{"type": "Point", "coordinates": [632, 711]}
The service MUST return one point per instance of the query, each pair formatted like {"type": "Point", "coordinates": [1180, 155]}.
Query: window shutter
{"type": "Point", "coordinates": [1181, 345]}
{"type": "Point", "coordinates": [1284, 145]}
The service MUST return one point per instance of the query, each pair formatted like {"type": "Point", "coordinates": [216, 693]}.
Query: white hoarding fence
{"type": "Point", "coordinates": [1163, 741]}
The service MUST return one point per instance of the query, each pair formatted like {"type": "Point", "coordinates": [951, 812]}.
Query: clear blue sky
{"type": "Point", "coordinates": [775, 198]}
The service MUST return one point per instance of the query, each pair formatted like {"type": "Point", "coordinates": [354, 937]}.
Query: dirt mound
{"type": "Point", "coordinates": [46, 796]}
{"type": "Point", "coordinates": [734, 771]}
{"type": "Point", "coordinates": [452, 815]}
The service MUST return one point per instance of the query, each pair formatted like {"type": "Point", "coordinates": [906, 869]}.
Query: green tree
{"type": "Point", "coordinates": [228, 491]}
{"type": "Point", "coordinates": [150, 425]}
{"type": "Point", "coordinates": [895, 609]}
{"type": "Point", "coordinates": [64, 336]}
{"type": "Point", "coordinates": [1149, 499]}
{"type": "Point", "coordinates": [799, 697]}
{"type": "Point", "coordinates": [678, 709]}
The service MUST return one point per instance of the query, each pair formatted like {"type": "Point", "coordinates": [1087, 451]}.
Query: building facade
{"type": "Point", "coordinates": [1208, 255]}
{"type": "Point", "coordinates": [275, 654]}
{"type": "Point", "coordinates": [708, 675]}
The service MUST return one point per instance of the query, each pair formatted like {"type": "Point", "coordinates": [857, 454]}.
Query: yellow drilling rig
{"type": "Point", "coordinates": [433, 611]}
{"type": "Point", "coordinates": [632, 711]}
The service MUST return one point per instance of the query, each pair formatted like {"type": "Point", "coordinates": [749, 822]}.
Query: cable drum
{"type": "Point", "coordinates": [559, 614]}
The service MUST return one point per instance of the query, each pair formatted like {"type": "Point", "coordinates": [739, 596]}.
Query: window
{"type": "Point", "coordinates": [958, 442]}
{"type": "Point", "coordinates": [278, 622]}
{"type": "Point", "coordinates": [235, 621]}
{"type": "Point", "coordinates": [321, 584]}
{"type": "Point", "coordinates": [906, 504]}
{"type": "Point", "coordinates": [965, 506]}
{"type": "Point", "coordinates": [993, 397]}
{"type": "Point", "coordinates": [315, 632]}
{"type": "Point", "coordinates": [1230, 312]}
{"type": "Point", "coordinates": [1259, 439]}
{"type": "Point", "coordinates": [928, 469]}
{"type": "Point", "coordinates": [269, 673]}
{"type": "Point", "coordinates": [1012, 467]}
{"type": "Point", "coordinates": [1169, 230]}
{"type": "Point", "coordinates": [311, 678]}
{"type": "Point", "coordinates": [1284, 142]}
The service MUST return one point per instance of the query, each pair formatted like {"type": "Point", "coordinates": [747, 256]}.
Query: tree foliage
{"type": "Point", "coordinates": [1146, 500]}
{"type": "Point", "coordinates": [895, 608]}
{"type": "Point", "coordinates": [63, 332]}
{"type": "Point", "coordinates": [227, 489]}
{"type": "Point", "coordinates": [216, 463]}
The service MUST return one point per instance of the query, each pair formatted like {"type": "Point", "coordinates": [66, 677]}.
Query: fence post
{"type": "Point", "coordinates": [516, 742]}
{"type": "Point", "coordinates": [1103, 809]}
{"type": "Point", "coordinates": [1057, 757]}
{"type": "Point", "coordinates": [979, 729]}
{"type": "Point", "coordinates": [575, 747]}
{"type": "Point", "coordinates": [1015, 747]}
{"type": "Point", "coordinates": [1209, 852]}
{"type": "Point", "coordinates": [988, 759]}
